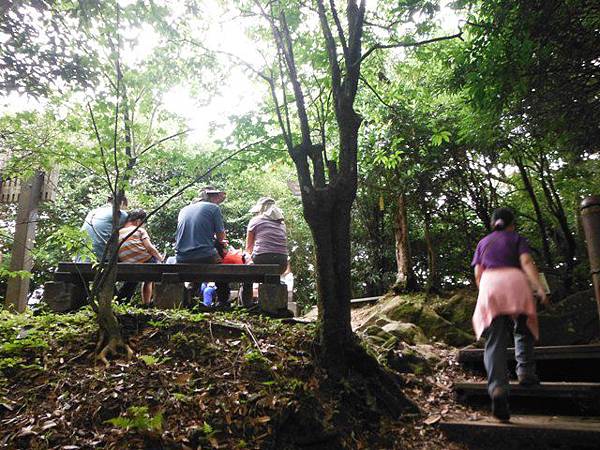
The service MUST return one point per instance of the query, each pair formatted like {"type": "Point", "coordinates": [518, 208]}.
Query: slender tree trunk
{"type": "Point", "coordinates": [106, 317]}
{"type": "Point", "coordinates": [380, 257]}
{"type": "Point", "coordinates": [372, 217]}
{"type": "Point", "coordinates": [111, 337]}
{"type": "Point", "coordinates": [432, 275]}
{"type": "Point", "coordinates": [569, 246]}
{"type": "Point", "coordinates": [405, 278]}
{"type": "Point", "coordinates": [110, 328]}
{"type": "Point", "coordinates": [538, 212]}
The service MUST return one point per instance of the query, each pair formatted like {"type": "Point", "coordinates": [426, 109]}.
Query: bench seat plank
{"type": "Point", "coordinates": [266, 273]}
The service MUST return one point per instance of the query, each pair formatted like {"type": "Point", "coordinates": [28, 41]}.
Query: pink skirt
{"type": "Point", "coordinates": [504, 292]}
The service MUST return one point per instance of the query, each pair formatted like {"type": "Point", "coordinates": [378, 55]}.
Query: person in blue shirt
{"type": "Point", "coordinates": [208, 292]}
{"type": "Point", "coordinates": [98, 225]}
{"type": "Point", "coordinates": [198, 226]}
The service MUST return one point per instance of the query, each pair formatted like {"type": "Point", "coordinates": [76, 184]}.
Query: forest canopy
{"type": "Point", "coordinates": [463, 108]}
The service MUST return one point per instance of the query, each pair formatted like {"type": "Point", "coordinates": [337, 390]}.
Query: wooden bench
{"type": "Point", "coordinates": [68, 290]}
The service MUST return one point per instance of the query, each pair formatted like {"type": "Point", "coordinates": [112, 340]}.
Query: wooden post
{"type": "Point", "coordinates": [590, 219]}
{"type": "Point", "coordinates": [27, 215]}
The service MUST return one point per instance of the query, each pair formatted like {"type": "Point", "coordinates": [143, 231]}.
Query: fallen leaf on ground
{"type": "Point", "coordinates": [182, 378]}
{"type": "Point", "coordinates": [48, 425]}
{"type": "Point", "coordinates": [432, 419]}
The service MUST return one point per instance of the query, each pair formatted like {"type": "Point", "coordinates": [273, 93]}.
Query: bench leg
{"type": "Point", "coordinates": [169, 295]}
{"type": "Point", "coordinates": [293, 307]}
{"type": "Point", "coordinates": [63, 297]}
{"type": "Point", "coordinates": [273, 298]}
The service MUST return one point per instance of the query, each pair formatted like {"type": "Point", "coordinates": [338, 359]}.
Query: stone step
{"type": "Point", "coordinates": [546, 390]}
{"type": "Point", "coordinates": [558, 363]}
{"type": "Point", "coordinates": [559, 352]}
{"type": "Point", "coordinates": [553, 397]}
{"type": "Point", "coordinates": [526, 431]}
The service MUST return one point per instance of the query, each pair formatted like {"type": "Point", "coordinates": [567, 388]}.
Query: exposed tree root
{"type": "Point", "coordinates": [383, 385]}
{"type": "Point", "coordinates": [111, 347]}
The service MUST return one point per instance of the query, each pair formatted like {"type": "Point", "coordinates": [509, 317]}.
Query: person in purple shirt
{"type": "Point", "coordinates": [266, 239]}
{"type": "Point", "coordinates": [506, 275]}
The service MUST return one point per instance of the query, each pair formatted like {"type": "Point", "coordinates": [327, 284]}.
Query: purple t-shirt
{"type": "Point", "coordinates": [500, 249]}
{"type": "Point", "coordinates": [270, 236]}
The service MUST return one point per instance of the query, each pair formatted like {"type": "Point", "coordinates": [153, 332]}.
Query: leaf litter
{"type": "Point", "coordinates": [229, 380]}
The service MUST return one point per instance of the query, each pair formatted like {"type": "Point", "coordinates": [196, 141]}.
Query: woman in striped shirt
{"type": "Point", "coordinates": [136, 247]}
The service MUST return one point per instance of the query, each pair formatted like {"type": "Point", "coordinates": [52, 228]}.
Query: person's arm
{"type": "Point", "coordinates": [219, 226]}
{"type": "Point", "coordinates": [151, 249]}
{"type": "Point", "coordinates": [288, 268]}
{"type": "Point", "coordinates": [249, 242]}
{"type": "Point", "coordinates": [221, 237]}
{"type": "Point", "coordinates": [478, 273]}
{"type": "Point", "coordinates": [528, 266]}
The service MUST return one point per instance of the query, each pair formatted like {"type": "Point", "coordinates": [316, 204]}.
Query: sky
{"type": "Point", "coordinates": [239, 93]}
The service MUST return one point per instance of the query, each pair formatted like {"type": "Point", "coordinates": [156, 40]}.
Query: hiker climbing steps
{"type": "Point", "coordinates": [553, 413]}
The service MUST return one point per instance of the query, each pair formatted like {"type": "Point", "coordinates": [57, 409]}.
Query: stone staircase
{"type": "Point", "coordinates": [562, 412]}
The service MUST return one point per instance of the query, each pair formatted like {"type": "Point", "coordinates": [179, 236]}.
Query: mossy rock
{"type": "Point", "coordinates": [436, 327]}
{"type": "Point", "coordinates": [427, 352]}
{"type": "Point", "coordinates": [416, 309]}
{"type": "Point", "coordinates": [419, 359]}
{"type": "Point", "coordinates": [458, 310]}
{"type": "Point", "coordinates": [404, 309]}
{"type": "Point", "coordinates": [406, 332]}
{"type": "Point", "coordinates": [390, 343]}
{"type": "Point", "coordinates": [376, 340]}
{"type": "Point", "coordinates": [377, 331]}
{"type": "Point", "coordinates": [572, 321]}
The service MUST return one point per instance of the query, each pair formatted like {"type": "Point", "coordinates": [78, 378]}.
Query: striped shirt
{"type": "Point", "coordinates": [133, 250]}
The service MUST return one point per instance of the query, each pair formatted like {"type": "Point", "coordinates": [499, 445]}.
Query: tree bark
{"type": "Point", "coordinates": [538, 212]}
{"type": "Point", "coordinates": [372, 218]}
{"type": "Point", "coordinates": [568, 244]}
{"type": "Point", "coordinates": [405, 277]}
{"type": "Point", "coordinates": [332, 247]}
{"type": "Point", "coordinates": [327, 203]}
{"type": "Point", "coordinates": [327, 212]}
{"type": "Point", "coordinates": [432, 275]}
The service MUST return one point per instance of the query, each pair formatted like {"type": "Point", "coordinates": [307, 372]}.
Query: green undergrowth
{"type": "Point", "coordinates": [197, 380]}
{"type": "Point", "coordinates": [25, 338]}
{"type": "Point", "coordinates": [138, 418]}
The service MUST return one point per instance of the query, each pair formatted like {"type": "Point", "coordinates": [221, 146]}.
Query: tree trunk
{"type": "Point", "coordinates": [327, 203]}
{"type": "Point", "coordinates": [109, 325]}
{"type": "Point", "coordinates": [432, 275]}
{"type": "Point", "coordinates": [332, 246]}
{"type": "Point", "coordinates": [372, 218]}
{"type": "Point", "coordinates": [538, 212]}
{"type": "Point", "coordinates": [111, 338]}
{"type": "Point", "coordinates": [405, 278]}
{"type": "Point", "coordinates": [380, 256]}
{"type": "Point", "coordinates": [568, 244]}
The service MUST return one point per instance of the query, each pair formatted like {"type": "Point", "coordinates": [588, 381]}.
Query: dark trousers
{"type": "Point", "coordinates": [127, 291]}
{"type": "Point", "coordinates": [264, 258]}
{"type": "Point", "coordinates": [497, 338]}
{"type": "Point", "coordinates": [223, 289]}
